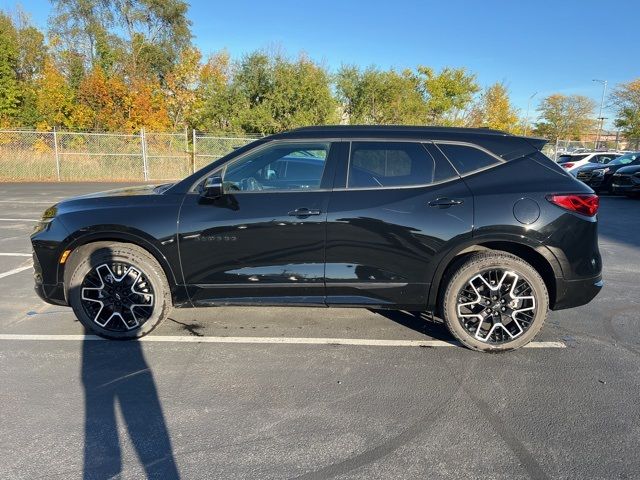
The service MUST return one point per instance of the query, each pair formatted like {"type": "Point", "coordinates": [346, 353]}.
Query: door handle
{"type": "Point", "coordinates": [304, 212]}
{"type": "Point", "coordinates": [444, 202]}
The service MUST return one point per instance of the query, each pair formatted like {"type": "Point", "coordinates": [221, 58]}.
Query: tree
{"type": "Point", "coordinates": [147, 107]}
{"type": "Point", "coordinates": [301, 95]}
{"type": "Point", "coordinates": [81, 30]}
{"type": "Point", "coordinates": [272, 93]}
{"type": "Point", "coordinates": [114, 105]}
{"type": "Point", "coordinates": [182, 85]}
{"type": "Point", "coordinates": [105, 97]}
{"type": "Point", "coordinates": [380, 97]}
{"type": "Point", "coordinates": [55, 101]}
{"type": "Point", "coordinates": [565, 116]}
{"type": "Point", "coordinates": [9, 60]}
{"type": "Point", "coordinates": [218, 102]}
{"type": "Point", "coordinates": [494, 110]}
{"type": "Point", "coordinates": [156, 32]}
{"type": "Point", "coordinates": [447, 93]}
{"type": "Point", "coordinates": [134, 37]}
{"type": "Point", "coordinates": [626, 100]}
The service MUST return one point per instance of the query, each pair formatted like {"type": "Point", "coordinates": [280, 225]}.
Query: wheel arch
{"type": "Point", "coordinates": [538, 256]}
{"type": "Point", "coordinates": [115, 236]}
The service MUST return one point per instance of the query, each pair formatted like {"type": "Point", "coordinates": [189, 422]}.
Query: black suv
{"type": "Point", "coordinates": [626, 181]}
{"type": "Point", "coordinates": [600, 177]}
{"type": "Point", "coordinates": [477, 226]}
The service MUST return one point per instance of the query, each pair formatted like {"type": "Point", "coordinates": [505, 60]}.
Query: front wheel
{"type": "Point", "coordinates": [117, 290]}
{"type": "Point", "coordinates": [494, 302]}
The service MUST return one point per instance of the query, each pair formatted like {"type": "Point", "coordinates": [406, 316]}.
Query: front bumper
{"type": "Point", "coordinates": [594, 181]}
{"type": "Point", "coordinates": [625, 184]}
{"type": "Point", "coordinates": [574, 293]}
{"type": "Point", "coordinates": [53, 294]}
{"type": "Point", "coordinates": [50, 293]}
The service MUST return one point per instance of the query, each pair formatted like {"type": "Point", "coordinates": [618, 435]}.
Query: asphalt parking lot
{"type": "Point", "coordinates": [194, 405]}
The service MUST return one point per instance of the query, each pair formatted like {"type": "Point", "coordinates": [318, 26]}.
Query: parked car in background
{"type": "Point", "coordinates": [571, 162]}
{"type": "Point", "coordinates": [626, 181]}
{"type": "Point", "coordinates": [599, 177]}
{"type": "Point", "coordinates": [477, 226]}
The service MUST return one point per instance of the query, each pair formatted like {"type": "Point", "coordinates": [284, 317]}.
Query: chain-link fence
{"type": "Point", "coordinates": [73, 156]}
{"type": "Point", "coordinates": [605, 141]}
{"type": "Point", "coordinates": [554, 149]}
{"type": "Point", "coordinates": [208, 148]}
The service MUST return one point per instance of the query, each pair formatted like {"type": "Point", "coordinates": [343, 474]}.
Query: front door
{"type": "Point", "coordinates": [396, 208]}
{"type": "Point", "coordinates": [263, 240]}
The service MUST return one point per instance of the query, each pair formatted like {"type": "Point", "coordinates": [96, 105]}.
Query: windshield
{"type": "Point", "coordinates": [571, 158]}
{"type": "Point", "coordinates": [625, 159]}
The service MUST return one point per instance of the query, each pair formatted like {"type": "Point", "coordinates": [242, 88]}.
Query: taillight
{"type": "Point", "coordinates": [567, 165]}
{"type": "Point", "coordinates": [585, 204]}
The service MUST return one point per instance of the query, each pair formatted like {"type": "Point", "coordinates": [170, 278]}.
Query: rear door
{"type": "Point", "coordinates": [394, 208]}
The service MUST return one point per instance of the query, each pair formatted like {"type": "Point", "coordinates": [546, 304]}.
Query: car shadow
{"type": "Point", "coordinates": [116, 377]}
{"type": "Point", "coordinates": [421, 322]}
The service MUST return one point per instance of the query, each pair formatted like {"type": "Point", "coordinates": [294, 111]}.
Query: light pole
{"type": "Point", "coordinates": [526, 118]}
{"type": "Point", "coordinates": [600, 118]}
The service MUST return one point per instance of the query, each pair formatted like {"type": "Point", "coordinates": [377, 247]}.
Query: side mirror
{"type": "Point", "coordinates": [213, 187]}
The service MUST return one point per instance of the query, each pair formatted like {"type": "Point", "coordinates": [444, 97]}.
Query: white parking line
{"type": "Point", "coordinates": [15, 270]}
{"type": "Point", "coordinates": [18, 220]}
{"type": "Point", "coordinates": [34, 202]}
{"type": "Point", "coordinates": [271, 340]}
{"type": "Point", "coordinates": [15, 255]}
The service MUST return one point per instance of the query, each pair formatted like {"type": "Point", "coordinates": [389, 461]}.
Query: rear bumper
{"type": "Point", "coordinates": [574, 293]}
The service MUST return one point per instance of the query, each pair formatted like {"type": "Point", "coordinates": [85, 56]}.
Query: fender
{"type": "Point", "coordinates": [112, 233]}
{"type": "Point", "coordinates": [468, 245]}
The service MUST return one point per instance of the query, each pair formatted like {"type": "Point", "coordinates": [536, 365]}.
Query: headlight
{"type": "Point", "coordinates": [600, 172]}
{"type": "Point", "coordinates": [50, 212]}
{"type": "Point", "coordinates": [48, 215]}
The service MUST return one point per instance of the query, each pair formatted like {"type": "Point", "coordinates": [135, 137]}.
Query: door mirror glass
{"type": "Point", "coordinates": [213, 187]}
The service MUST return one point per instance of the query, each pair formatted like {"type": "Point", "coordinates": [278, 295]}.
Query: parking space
{"type": "Point", "coordinates": [312, 392]}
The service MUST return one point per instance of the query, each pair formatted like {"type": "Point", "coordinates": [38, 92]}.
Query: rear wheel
{"type": "Point", "coordinates": [118, 290]}
{"type": "Point", "coordinates": [494, 302]}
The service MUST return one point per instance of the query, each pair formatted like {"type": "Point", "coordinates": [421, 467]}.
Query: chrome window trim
{"type": "Point", "coordinates": [350, 140]}
{"type": "Point", "coordinates": [472, 145]}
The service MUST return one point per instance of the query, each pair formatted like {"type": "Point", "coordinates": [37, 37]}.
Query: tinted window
{"type": "Point", "coordinates": [387, 164]}
{"type": "Point", "coordinates": [571, 158]}
{"type": "Point", "coordinates": [603, 158]}
{"type": "Point", "coordinates": [466, 158]}
{"type": "Point", "coordinates": [626, 159]}
{"type": "Point", "coordinates": [293, 166]}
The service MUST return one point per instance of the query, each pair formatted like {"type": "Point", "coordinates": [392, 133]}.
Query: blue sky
{"type": "Point", "coordinates": [542, 46]}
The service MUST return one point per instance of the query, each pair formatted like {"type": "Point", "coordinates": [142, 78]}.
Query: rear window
{"type": "Point", "coordinates": [388, 164]}
{"type": "Point", "coordinates": [571, 158]}
{"type": "Point", "coordinates": [467, 158]}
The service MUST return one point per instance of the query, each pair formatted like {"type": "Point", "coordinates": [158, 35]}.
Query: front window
{"type": "Point", "coordinates": [282, 166]}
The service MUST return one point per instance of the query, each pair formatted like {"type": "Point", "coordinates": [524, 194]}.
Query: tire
{"type": "Point", "coordinates": [518, 325]}
{"type": "Point", "coordinates": [130, 277]}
